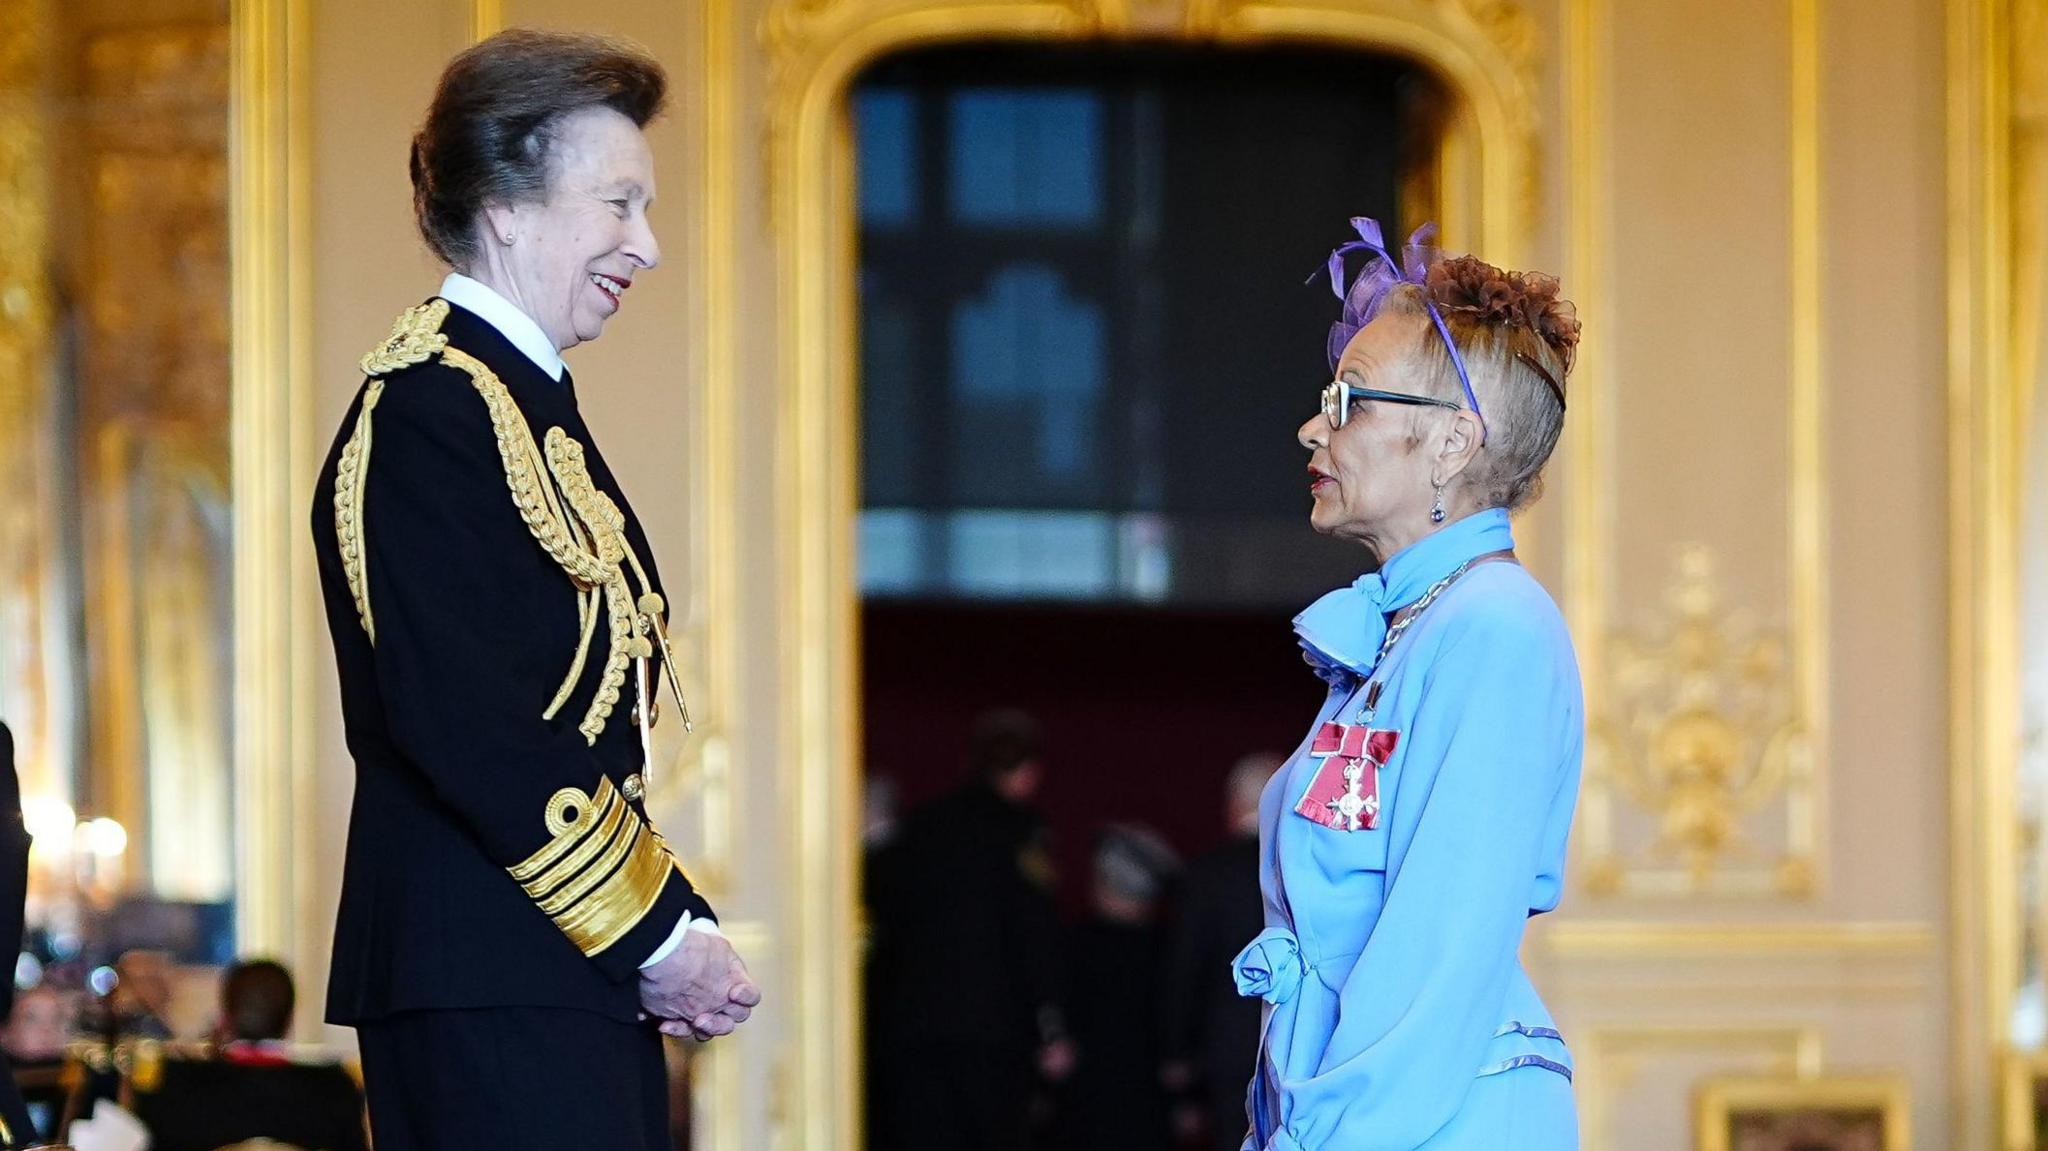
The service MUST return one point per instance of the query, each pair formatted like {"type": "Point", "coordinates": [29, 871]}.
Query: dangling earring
{"type": "Point", "coordinates": [1436, 514]}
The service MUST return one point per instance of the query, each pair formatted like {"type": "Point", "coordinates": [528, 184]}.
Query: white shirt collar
{"type": "Point", "coordinates": [504, 315]}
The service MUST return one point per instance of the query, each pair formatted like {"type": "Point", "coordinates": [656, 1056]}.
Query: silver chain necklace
{"type": "Point", "coordinates": [1400, 626]}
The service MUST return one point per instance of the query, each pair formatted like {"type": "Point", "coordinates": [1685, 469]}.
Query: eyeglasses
{"type": "Point", "coordinates": [1338, 396]}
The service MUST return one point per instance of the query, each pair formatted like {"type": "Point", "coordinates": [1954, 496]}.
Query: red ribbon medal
{"type": "Point", "coordinates": [1345, 794]}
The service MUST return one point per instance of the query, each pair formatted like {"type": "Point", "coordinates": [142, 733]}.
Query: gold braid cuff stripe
{"type": "Point", "coordinates": [564, 873]}
{"type": "Point", "coordinates": [605, 867]}
{"type": "Point", "coordinates": [622, 899]}
{"type": "Point", "coordinates": [565, 830]}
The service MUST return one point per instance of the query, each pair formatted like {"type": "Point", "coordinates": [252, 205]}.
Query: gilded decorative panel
{"type": "Point", "coordinates": [1699, 777]}
{"type": "Point", "coordinates": [28, 618]}
{"type": "Point", "coordinates": [153, 420]}
{"type": "Point", "coordinates": [1708, 744]}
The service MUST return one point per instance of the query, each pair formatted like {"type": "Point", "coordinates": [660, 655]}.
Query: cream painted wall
{"type": "Point", "coordinates": [1695, 223]}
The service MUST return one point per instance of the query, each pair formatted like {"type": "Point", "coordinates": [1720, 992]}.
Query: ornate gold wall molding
{"type": "Point", "coordinates": [1483, 51]}
{"type": "Point", "coordinates": [1986, 450]}
{"type": "Point", "coordinates": [277, 622]}
{"type": "Point", "coordinates": [1700, 738]}
{"type": "Point", "coordinates": [710, 621]}
{"type": "Point", "coordinates": [486, 18]}
{"type": "Point", "coordinates": [1608, 1059]}
{"type": "Point", "coordinates": [26, 531]}
{"type": "Point", "coordinates": [1589, 465]}
{"type": "Point", "coordinates": [1651, 939]}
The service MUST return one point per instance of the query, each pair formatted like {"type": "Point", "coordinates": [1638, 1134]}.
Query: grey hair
{"type": "Point", "coordinates": [490, 133]}
{"type": "Point", "coordinates": [1523, 416]}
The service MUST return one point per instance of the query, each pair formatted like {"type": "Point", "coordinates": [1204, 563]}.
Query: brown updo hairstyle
{"type": "Point", "coordinates": [491, 126]}
{"type": "Point", "coordinates": [1518, 340]}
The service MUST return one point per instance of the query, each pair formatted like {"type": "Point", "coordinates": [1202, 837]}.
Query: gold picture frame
{"type": "Point", "coordinates": [2023, 1102]}
{"type": "Point", "coordinates": [1766, 1113]}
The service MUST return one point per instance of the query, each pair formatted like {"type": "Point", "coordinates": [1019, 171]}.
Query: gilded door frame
{"type": "Point", "coordinates": [1482, 50]}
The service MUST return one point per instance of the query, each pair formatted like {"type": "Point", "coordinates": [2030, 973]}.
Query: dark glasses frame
{"type": "Point", "coordinates": [1339, 395]}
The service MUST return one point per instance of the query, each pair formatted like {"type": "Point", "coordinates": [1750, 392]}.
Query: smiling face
{"type": "Point", "coordinates": [1373, 480]}
{"type": "Point", "coordinates": [572, 256]}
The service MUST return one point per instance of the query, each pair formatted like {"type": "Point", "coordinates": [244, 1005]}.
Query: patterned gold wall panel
{"type": "Point", "coordinates": [28, 531]}
{"type": "Point", "coordinates": [153, 420]}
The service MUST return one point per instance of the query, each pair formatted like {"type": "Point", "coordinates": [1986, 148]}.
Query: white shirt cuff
{"type": "Point", "coordinates": [675, 938]}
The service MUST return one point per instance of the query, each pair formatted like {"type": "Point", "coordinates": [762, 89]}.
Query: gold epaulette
{"type": "Point", "coordinates": [414, 339]}
{"type": "Point", "coordinates": [580, 527]}
{"type": "Point", "coordinates": [602, 869]}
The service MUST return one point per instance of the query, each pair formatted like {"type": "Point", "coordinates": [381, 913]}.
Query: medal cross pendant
{"type": "Point", "coordinates": [1355, 806]}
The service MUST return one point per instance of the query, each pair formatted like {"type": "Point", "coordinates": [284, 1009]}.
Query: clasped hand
{"type": "Point", "coordinates": [701, 989]}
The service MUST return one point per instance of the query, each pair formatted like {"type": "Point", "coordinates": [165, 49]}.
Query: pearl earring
{"type": "Point", "coordinates": [1436, 514]}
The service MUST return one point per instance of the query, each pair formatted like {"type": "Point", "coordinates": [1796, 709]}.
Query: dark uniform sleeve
{"type": "Point", "coordinates": [455, 590]}
{"type": "Point", "coordinates": [15, 1126]}
{"type": "Point", "coordinates": [1034, 943]}
{"type": "Point", "coordinates": [1181, 1018]}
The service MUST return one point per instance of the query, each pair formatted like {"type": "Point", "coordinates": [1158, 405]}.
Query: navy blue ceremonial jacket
{"type": "Point", "coordinates": [495, 857]}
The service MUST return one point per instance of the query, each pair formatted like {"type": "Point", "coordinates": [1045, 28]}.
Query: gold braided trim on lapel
{"type": "Point", "coordinates": [580, 527]}
{"type": "Point", "coordinates": [415, 338]}
{"type": "Point", "coordinates": [586, 538]}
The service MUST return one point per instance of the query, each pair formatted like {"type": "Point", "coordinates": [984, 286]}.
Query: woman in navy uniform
{"type": "Point", "coordinates": [512, 928]}
{"type": "Point", "coordinates": [1423, 821]}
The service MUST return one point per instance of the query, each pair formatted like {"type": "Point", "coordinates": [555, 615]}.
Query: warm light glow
{"type": "Point", "coordinates": [48, 819]}
{"type": "Point", "coordinates": [105, 838]}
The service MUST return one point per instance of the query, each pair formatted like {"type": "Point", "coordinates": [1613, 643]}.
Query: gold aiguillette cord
{"type": "Point", "coordinates": [653, 607]}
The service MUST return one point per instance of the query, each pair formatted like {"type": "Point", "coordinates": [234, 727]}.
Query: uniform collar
{"type": "Point", "coordinates": [518, 328]}
{"type": "Point", "coordinates": [1341, 632]}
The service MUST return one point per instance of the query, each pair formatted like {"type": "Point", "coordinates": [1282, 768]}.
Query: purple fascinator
{"type": "Point", "coordinates": [1362, 301]}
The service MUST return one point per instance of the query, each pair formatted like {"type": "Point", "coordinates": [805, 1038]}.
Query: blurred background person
{"type": "Point", "coordinates": [1114, 1098]}
{"type": "Point", "coordinates": [38, 1027]}
{"type": "Point", "coordinates": [138, 1004]}
{"type": "Point", "coordinates": [251, 1087]}
{"type": "Point", "coordinates": [964, 958]}
{"type": "Point", "coordinates": [1209, 1031]}
{"type": "Point", "coordinates": [37, 1030]}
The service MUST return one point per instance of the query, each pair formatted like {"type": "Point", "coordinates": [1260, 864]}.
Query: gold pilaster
{"type": "Point", "coordinates": [275, 591]}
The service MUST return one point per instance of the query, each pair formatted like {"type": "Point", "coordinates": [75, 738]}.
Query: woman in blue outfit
{"type": "Point", "coordinates": [1424, 819]}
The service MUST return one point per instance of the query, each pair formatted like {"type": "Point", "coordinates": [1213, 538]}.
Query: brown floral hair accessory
{"type": "Point", "coordinates": [1527, 300]}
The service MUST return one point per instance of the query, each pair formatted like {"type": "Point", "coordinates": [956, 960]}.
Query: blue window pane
{"type": "Point", "coordinates": [885, 133]}
{"type": "Point", "coordinates": [889, 415]}
{"type": "Point", "coordinates": [1031, 554]}
{"type": "Point", "coordinates": [891, 547]}
{"type": "Point", "coordinates": [1026, 156]}
{"type": "Point", "coordinates": [1028, 376]}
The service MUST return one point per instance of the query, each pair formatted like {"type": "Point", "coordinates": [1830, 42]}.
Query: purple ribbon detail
{"type": "Point", "coordinates": [1380, 276]}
